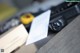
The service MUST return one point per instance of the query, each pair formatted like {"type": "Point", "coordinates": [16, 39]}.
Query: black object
{"type": "Point", "coordinates": [57, 24]}
{"type": "Point", "coordinates": [59, 18]}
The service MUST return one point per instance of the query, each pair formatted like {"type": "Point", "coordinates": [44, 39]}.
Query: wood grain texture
{"type": "Point", "coordinates": [66, 41]}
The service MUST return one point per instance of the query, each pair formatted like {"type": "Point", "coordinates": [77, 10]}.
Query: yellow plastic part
{"type": "Point", "coordinates": [27, 18]}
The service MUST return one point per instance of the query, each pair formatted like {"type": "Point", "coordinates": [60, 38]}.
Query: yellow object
{"type": "Point", "coordinates": [27, 18]}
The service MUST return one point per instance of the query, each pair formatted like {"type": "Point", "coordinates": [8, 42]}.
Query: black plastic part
{"type": "Point", "coordinates": [57, 24]}
{"type": "Point", "coordinates": [65, 15]}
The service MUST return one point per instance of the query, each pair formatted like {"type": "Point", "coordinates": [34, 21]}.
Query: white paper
{"type": "Point", "coordinates": [39, 28]}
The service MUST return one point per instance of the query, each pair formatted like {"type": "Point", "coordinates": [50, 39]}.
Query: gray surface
{"type": "Point", "coordinates": [42, 42]}
{"type": "Point", "coordinates": [22, 3]}
{"type": "Point", "coordinates": [66, 41]}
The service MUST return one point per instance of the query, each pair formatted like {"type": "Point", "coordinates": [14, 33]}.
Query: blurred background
{"type": "Point", "coordinates": [10, 7]}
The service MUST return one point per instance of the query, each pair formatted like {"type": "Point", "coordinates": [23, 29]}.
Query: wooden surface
{"type": "Point", "coordinates": [27, 49]}
{"type": "Point", "coordinates": [66, 41]}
